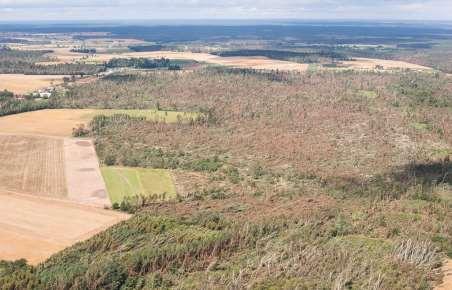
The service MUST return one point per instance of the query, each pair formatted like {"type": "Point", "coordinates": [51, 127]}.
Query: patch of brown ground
{"type": "Point", "coordinates": [84, 180]}
{"type": "Point", "coordinates": [32, 164]}
{"type": "Point", "coordinates": [35, 228]}
{"type": "Point", "coordinates": [22, 84]}
{"type": "Point", "coordinates": [59, 123]}
{"type": "Point", "coordinates": [371, 63]}
{"type": "Point", "coordinates": [447, 280]}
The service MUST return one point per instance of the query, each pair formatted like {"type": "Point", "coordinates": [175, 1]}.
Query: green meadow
{"type": "Point", "coordinates": [125, 182]}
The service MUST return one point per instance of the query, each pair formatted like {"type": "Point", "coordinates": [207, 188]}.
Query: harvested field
{"type": "Point", "coordinates": [35, 228]}
{"type": "Point", "coordinates": [56, 167]}
{"type": "Point", "coordinates": [61, 122]}
{"type": "Point", "coordinates": [45, 122]}
{"type": "Point", "coordinates": [370, 64]}
{"type": "Point", "coordinates": [84, 179]}
{"type": "Point", "coordinates": [260, 63]}
{"type": "Point", "coordinates": [22, 84]}
{"type": "Point", "coordinates": [128, 182]}
{"type": "Point", "coordinates": [32, 165]}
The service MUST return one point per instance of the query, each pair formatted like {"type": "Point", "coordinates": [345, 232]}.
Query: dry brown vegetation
{"type": "Point", "coordinates": [328, 124]}
{"type": "Point", "coordinates": [286, 179]}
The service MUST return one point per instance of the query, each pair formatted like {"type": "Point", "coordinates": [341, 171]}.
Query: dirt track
{"type": "Point", "coordinates": [35, 228]}
{"type": "Point", "coordinates": [85, 183]}
{"type": "Point", "coordinates": [447, 280]}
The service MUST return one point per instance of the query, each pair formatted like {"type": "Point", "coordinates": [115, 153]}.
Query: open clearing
{"type": "Point", "coordinates": [371, 63]}
{"type": "Point", "coordinates": [35, 228]}
{"type": "Point", "coordinates": [32, 165]}
{"type": "Point", "coordinates": [61, 122]}
{"type": "Point", "coordinates": [22, 84]}
{"type": "Point", "coordinates": [45, 122]}
{"type": "Point", "coordinates": [128, 182]}
{"type": "Point", "coordinates": [84, 179]}
{"type": "Point", "coordinates": [46, 166]}
{"type": "Point", "coordinates": [52, 195]}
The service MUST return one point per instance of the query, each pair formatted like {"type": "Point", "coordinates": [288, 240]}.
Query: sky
{"type": "Point", "coordinates": [21, 10]}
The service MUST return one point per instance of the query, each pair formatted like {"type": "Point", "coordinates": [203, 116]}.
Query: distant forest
{"type": "Point", "coordinates": [307, 32]}
{"type": "Point", "coordinates": [306, 57]}
{"type": "Point", "coordinates": [25, 62]}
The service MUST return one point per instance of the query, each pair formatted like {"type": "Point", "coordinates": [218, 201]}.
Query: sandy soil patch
{"type": "Point", "coordinates": [33, 165]}
{"type": "Point", "coordinates": [35, 228]}
{"type": "Point", "coordinates": [85, 183]}
{"type": "Point", "coordinates": [370, 64]}
{"type": "Point", "coordinates": [447, 280]}
{"type": "Point", "coordinates": [22, 84]}
{"type": "Point", "coordinates": [45, 122]}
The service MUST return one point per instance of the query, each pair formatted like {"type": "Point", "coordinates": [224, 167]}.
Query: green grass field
{"type": "Point", "coordinates": [153, 115]}
{"type": "Point", "coordinates": [127, 182]}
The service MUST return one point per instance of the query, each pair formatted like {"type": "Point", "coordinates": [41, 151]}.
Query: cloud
{"type": "Point", "coordinates": [244, 9]}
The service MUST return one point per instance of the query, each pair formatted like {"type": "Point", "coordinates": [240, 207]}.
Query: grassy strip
{"type": "Point", "coordinates": [151, 115]}
{"type": "Point", "coordinates": [129, 182]}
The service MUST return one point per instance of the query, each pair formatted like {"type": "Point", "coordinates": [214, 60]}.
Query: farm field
{"type": "Point", "coordinates": [84, 180]}
{"type": "Point", "coordinates": [61, 122]}
{"type": "Point", "coordinates": [128, 182]}
{"type": "Point", "coordinates": [259, 63]}
{"type": "Point", "coordinates": [45, 122]}
{"type": "Point", "coordinates": [33, 165]}
{"type": "Point", "coordinates": [371, 63]}
{"type": "Point", "coordinates": [43, 227]}
{"type": "Point", "coordinates": [22, 84]}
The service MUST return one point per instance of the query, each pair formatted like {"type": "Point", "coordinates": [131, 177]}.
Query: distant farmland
{"type": "Point", "coordinates": [22, 84]}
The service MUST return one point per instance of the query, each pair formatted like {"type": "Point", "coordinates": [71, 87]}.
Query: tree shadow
{"type": "Point", "coordinates": [398, 182]}
{"type": "Point", "coordinates": [430, 173]}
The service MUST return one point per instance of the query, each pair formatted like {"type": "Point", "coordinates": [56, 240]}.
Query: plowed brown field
{"type": "Point", "coordinates": [33, 165]}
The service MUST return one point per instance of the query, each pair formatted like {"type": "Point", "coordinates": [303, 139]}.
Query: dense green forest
{"type": "Point", "coordinates": [146, 63]}
{"type": "Point", "coordinates": [304, 57]}
{"type": "Point", "coordinates": [26, 62]}
{"type": "Point", "coordinates": [9, 105]}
